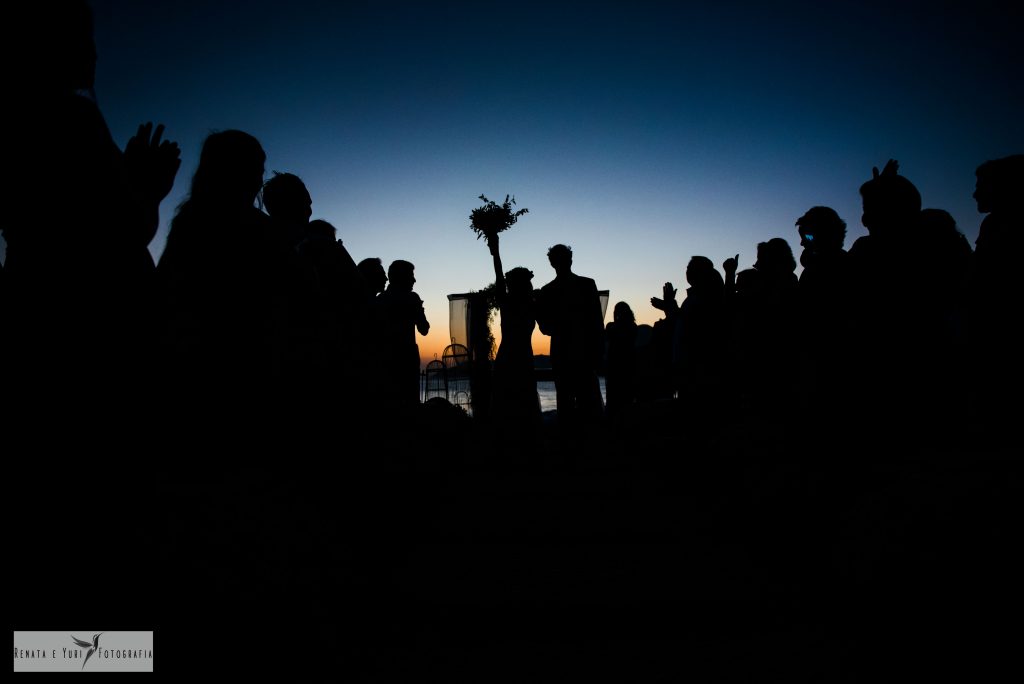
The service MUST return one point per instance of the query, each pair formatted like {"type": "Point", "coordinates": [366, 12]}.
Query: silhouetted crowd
{"type": "Point", "coordinates": [255, 306]}
{"type": "Point", "coordinates": [258, 333]}
{"type": "Point", "coordinates": [904, 340]}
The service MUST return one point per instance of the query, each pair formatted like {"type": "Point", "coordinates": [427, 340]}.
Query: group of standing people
{"type": "Point", "coordinates": [135, 393]}
{"type": "Point", "coordinates": [274, 301]}
{"type": "Point", "coordinates": [246, 307]}
{"type": "Point", "coordinates": [123, 376]}
{"type": "Point", "coordinates": [906, 336]}
{"type": "Point", "coordinates": [256, 305]}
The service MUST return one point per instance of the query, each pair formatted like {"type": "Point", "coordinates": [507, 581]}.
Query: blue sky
{"type": "Point", "coordinates": [638, 133]}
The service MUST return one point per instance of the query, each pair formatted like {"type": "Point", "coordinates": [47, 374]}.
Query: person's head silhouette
{"type": "Point", "coordinates": [286, 198]}
{"type": "Point", "coordinates": [560, 258]}
{"type": "Point", "coordinates": [938, 223]}
{"type": "Point", "coordinates": [623, 315]}
{"type": "Point", "coordinates": [1000, 185]}
{"type": "Point", "coordinates": [372, 270]}
{"type": "Point", "coordinates": [821, 230]}
{"type": "Point", "coordinates": [230, 171]}
{"type": "Point", "coordinates": [891, 202]}
{"type": "Point", "coordinates": [701, 275]}
{"type": "Point", "coordinates": [321, 229]}
{"type": "Point", "coordinates": [401, 275]}
{"type": "Point", "coordinates": [519, 281]}
{"type": "Point", "coordinates": [775, 257]}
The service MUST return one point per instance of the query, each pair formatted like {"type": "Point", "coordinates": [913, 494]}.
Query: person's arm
{"type": "Point", "coordinates": [499, 272]}
{"type": "Point", "coordinates": [542, 311]}
{"type": "Point", "coordinates": [596, 316]}
{"type": "Point", "coordinates": [150, 166]}
{"type": "Point", "coordinates": [597, 326]}
{"type": "Point", "coordinates": [422, 325]}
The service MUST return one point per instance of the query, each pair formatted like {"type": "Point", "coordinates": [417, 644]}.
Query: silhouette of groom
{"type": "Point", "coordinates": [569, 310]}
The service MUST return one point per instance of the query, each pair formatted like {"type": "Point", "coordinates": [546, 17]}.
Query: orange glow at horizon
{"type": "Point", "coordinates": [432, 346]}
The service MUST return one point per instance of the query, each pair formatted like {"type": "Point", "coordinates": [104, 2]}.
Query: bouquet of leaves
{"type": "Point", "coordinates": [493, 218]}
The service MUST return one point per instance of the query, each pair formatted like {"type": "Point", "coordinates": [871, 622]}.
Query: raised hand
{"type": "Point", "coordinates": [730, 265]}
{"type": "Point", "coordinates": [892, 168]}
{"type": "Point", "coordinates": [667, 301]}
{"type": "Point", "coordinates": [152, 163]}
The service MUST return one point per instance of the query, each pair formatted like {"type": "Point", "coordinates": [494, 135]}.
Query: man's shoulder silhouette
{"type": "Point", "coordinates": [583, 287]}
{"type": "Point", "coordinates": [570, 280]}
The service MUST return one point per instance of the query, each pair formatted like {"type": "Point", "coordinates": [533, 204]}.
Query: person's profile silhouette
{"type": "Point", "coordinates": [400, 316]}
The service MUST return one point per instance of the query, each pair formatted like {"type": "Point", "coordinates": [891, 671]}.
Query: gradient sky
{"type": "Point", "coordinates": [638, 133]}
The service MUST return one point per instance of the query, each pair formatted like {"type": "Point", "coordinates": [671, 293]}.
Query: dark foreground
{"type": "Point", "coordinates": [442, 552]}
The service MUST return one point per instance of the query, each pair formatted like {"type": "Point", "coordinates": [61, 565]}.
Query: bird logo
{"type": "Point", "coordinates": [85, 644]}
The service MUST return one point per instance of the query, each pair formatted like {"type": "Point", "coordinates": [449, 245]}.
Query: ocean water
{"type": "Point", "coordinates": [546, 392]}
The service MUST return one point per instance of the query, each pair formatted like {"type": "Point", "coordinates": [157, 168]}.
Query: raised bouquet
{"type": "Point", "coordinates": [492, 218]}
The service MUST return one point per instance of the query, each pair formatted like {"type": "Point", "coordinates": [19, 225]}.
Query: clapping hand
{"type": "Point", "coordinates": [667, 300]}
